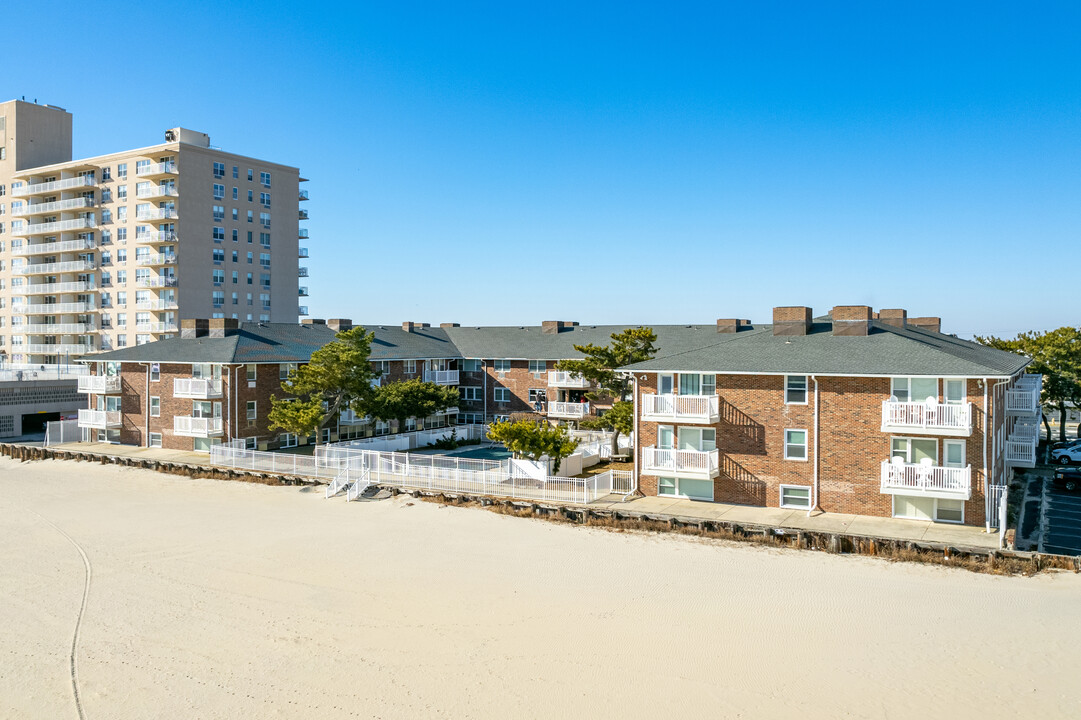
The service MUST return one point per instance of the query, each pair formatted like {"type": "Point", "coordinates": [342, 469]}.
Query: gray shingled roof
{"type": "Point", "coordinates": [887, 350]}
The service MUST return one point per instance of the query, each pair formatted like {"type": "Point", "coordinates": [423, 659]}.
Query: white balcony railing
{"type": "Point", "coordinates": [1021, 451]}
{"type": "Point", "coordinates": [99, 419]}
{"type": "Point", "coordinates": [48, 248]}
{"type": "Point", "coordinates": [681, 408]}
{"type": "Point", "coordinates": [901, 478]}
{"type": "Point", "coordinates": [53, 348]}
{"type": "Point", "coordinates": [558, 378]}
{"type": "Point", "coordinates": [156, 191]}
{"type": "Point", "coordinates": [55, 267]}
{"type": "Point", "coordinates": [199, 388]}
{"type": "Point", "coordinates": [156, 281]}
{"type": "Point", "coordinates": [702, 464]}
{"type": "Point", "coordinates": [158, 236]}
{"type": "Point", "coordinates": [157, 259]}
{"type": "Point", "coordinates": [54, 227]}
{"type": "Point", "coordinates": [99, 384]}
{"type": "Point", "coordinates": [54, 288]}
{"type": "Point", "coordinates": [441, 377]}
{"type": "Point", "coordinates": [568, 409]}
{"type": "Point", "coordinates": [54, 186]}
{"type": "Point", "coordinates": [165, 168]}
{"type": "Point", "coordinates": [51, 207]}
{"type": "Point", "coordinates": [197, 426]}
{"type": "Point", "coordinates": [1023, 397]}
{"type": "Point", "coordinates": [52, 309]}
{"type": "Point", "coordinates": [155, 327]}
{"type": "Point", "coordinates": [935, 418]}
{"type": "Point", "coordinates": [166, 213]}
{"type": "Point", "coordinates": [59, 328]}
{"type": "Point", "coordinates": [156, 305]}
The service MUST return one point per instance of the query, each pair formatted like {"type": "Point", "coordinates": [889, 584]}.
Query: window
{"type": "Point", "coordinates": [264, 280]}
{"type": "Point", "coordinates": [925, 508]}
{"type": "Point", "coordinates": [795, 444]}
{"type": "Point", "coordinates": [250, 196]}
{"type": "Point", "coordinates": [264, 259]}
{"type": "Point", "coordinates": [912, 389]}
{"type": "Point", "coordinates": [501, 366]}
{"type": "Point", "coordinates": [538, 395]}
{"type": "Point", "coordinates": [264, 199]}
{"type": "Point", "coordinates": [236, 299]}
{"type": "Point", "coordinates": [264, 300]}
{"type": "Point", "coordinates": [219, 234]}
{"type": "Point", "coordinates": [121, 340]}
{"type": "Point", "coordinates": [236, 196]}
{"type": "Point", "coordinates": [155, 406]}
{"type": "Point", "coordinates": [121, 235]}
{"type": "Point", "coordinates": [264, 219]}
{"type": "Point", "coordinates": [795, 389]}
{"type": "Point", "coordinates": [953, 391]}
{"type": "Point", "coordinates": [249, 373]}
{"type": "Point", "coordinates": [122, 171]}
{"type": "Point", "coordinates": [264, 239]}
{"type": "Point", "coordinates": [250, 175]}
{"type": "Point", "coordinates": [155, 440]}
{"type": "Point", "coordinates": [219, 214]}
{"type": "Point", "coordinates": [155, 372]}
{"type": "Point", "coordinates": [264, 179]}
{"type": "Point", "coordinates": [122, 255]}
{"type": "Point", "coordinates": [217, 298]}
{"type": "Point", "coordinates": [251, 415]}
{"type": "Point", "coordinates": [795, 496]}
{"type": "Point", "coordinates": [537, 367]}
{"type": "Point", "coordinates": [219, 170]}
{"type": "Point", "coordinates": [236, 218]}
{"type": "Point", "coordinates": [502, 395]}
{"type": "Point", "coordinates": [696, 384]}
{"type": "Point", "coordinates": [471, 394]}
{"type": "Point", "coordinates": [236, 172]}
{"type": "Point", "coordinates": [236, 276]}
{"type": "Point", "coordinates": [251, 216]}
{"type": "Point", "coordinates": [469, 365]}
{"type": "Point", "coordinates": [409, 367]}
{"type": "Point", "coordinates": [217, 277]}
{"type": "Point", "coordinates": [219, 256]}
{"type": "Point", "coordinates": [284, 369]}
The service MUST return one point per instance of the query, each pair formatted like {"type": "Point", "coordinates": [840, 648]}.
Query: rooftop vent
{"type": "Point", "coordinates": [791, 320]}
{"type": "Point", "coordinates": [410, 326]}
{"type": "Point", "coordinates": [340, 324]}
{"type": "Point", "coordinates": [553, 327]}
{"type": "Point", "coordinates": [729, 325]}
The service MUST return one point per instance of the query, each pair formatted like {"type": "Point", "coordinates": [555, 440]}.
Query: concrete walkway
{"type": "Point", "coordinates": [891, 528]}
{"type": "Point", "coordinates": [132, 451]}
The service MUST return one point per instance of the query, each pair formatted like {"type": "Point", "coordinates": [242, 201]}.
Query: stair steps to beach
{"type": "Point", "coordinates": [361, 482]}
{"type": "Point", "coordinates": [339, 483]}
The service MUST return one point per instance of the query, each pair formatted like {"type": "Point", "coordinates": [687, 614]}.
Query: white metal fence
{"type": "Point", "coordinates": [64, 431]}
{"type": "Point", "coordinates": [414, 439]}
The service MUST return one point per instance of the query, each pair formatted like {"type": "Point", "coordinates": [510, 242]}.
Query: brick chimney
{"type": "Point", "coordinates": [220, 327]}
{"type": "Point", "coordinates": [553, 327]}
{"type": "Point", "coordinates": [410, 326]}
{"type": "Point", "coordinates": [449, 325]}
{"type": "Point", "coordinates": [193, 327]}
{"type": "Point", "coordinates": [340, 324]}
{"type": "Point", "coordinates": [933, 324]}
{"type": "Point", "coordinates": [728, 325]}
{"type": "Point", "coordinates": [791, 320]}
{"type": "Point", "coordinates": [313, 321]}
{"type": "Point", "coordinates": [851, 320]}
{"type": "Point", "coordinates": [895, 317]}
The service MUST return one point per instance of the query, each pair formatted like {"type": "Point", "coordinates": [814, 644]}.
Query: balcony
{"type": "Point", "coordinates": [45, 208]}
{"type": "Point", "coordinates": [49, 248]}
{"type": "Point", "coordinates": [59, 328]}
{"type": "Point", "coordinates": [302, 214]}
{"type": "Point", "coordinates": [197, 426]}
{"type": "Point", "coordinates": [52, 308]}
{"type": "Point", "coordinates": [302, 234]}
{"type": "Point", "coordinates": [156, 191]}
{"type": "Point", "coordinates": [303, 195]}
{"type": "Point", "coordinates": [99, 384]}
{"type": "Point", "coordinates": [925, 480]}
{"type": "Point", "coordinates": [558, 378]}
{"type": "Point", "coordinates": [302, 272]}
{"type": "Point", "coordinates": [99, 419]}
{"type": "Point", "coordinates": [302, 310]}
{"type": "Point", "coordinates": [1023, 397]}
{"type": "Point", "coordinates": [696, 464]}
{"type": "Point", "coordinates": [1021, 451]}
{"type": "Point", "coordinates": [158, 236]}
{"type": "Point", "coordinates": [156, 327]}
{"type": "Point", "coordinates": [157, 259]}
{"type": "Point", "coordinates": [568, 410]}
{"type": "Point", "coordinates": [155, 214]}
{"type": "Point", "coordinates": [302, 291]}
{"type": "Point", "coordinates": [441, 377]}
{"type": "Point", "coordinates": [302, 253]}
{"type": "Point", "coordinates": [197, 388]}
{"type": "Point", "coordinates": [156, 305]}
{"type": "Point", "coordinates": [156, 281]}
{"type": "Point", "coordinates": [55, 288]}
{"type": "Point", "coordinates": [927, 418]}
{"type": "Point", "coordinates": [680, 408]}
{"type": "Point", "coordinates": [56, 267]}
{"type": "Point", "coordinates": [55, 349]}
{"type": "Point", "coordinates": [49, 228]}
{"type": "Point", "coordinates": [44, 188]}
{"type": "Point", "coordinates": [156, 169]}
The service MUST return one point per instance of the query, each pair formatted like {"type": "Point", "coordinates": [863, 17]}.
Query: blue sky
{"type": "Point", "coordinates": [507, 163]}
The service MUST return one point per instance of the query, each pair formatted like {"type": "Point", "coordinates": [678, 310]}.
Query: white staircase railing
{"type": "Point", "coordinates": [338, 483]}
{"type": "Point", "coordinates": [363, 479]}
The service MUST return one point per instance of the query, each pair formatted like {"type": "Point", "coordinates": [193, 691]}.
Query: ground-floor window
{"type": "Point", "coordinates": [288, 440]}
{"type": "Point", "coordinates": [924, 508]}
{"type": "Point", "coordinates": [109, 436]}
{"type": "Point", "coordinates": [155, 440]}
{"type": "Point", "coordinates": [796, 496]}
{"type": "Point", "coordinates": [251, 443]}
{"type": "Point", "coordinates": [470, 418]}
{"type": "Point", "coordinates": [685, 488]}
{"type": "Point", "coordinates": [204, 444]}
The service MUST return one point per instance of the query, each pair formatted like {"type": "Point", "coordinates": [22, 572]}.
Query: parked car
{"type": "Point", "coordinates": [1069, 478]}
{"type": "Point", "coordinates": [1066, 456]}
{"type": "Point", "coordinates": [1067, 444]}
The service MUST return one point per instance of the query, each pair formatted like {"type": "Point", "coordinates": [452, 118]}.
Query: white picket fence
{"type": "Point", "coordinates": [355, 469]}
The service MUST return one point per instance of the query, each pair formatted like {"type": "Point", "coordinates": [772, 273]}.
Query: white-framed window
{"type": "Point", "coordinates": [914, 389]}
{"type": "Point", "coordinates": [501, 365]}
{"type": "Point", "coordinates": [219, 192]}
{"type": "Point", "coordinates": [795, 444]}
{"type": "Point", "coordinates": [469, 365]}
{"type": "Point", "coordinates": [953, 453]}
{"type": "Point", "coordinates": [264, 179]}
{"type": "Point", "coordinates": [925, 508]}
{"type": "Point", "coordinates": [914, 450]}
{"type": "Point", "coordinates": [538, 395]}
{"type": "Point", "coordinates": [284, 369]}
{"type": "Point", "coordinates": [795, 389]}
{"type": "Point", "coordinates": [287, 440]}
{"type": "Point", "coordinates": [219, 170]}
{"type": "Point", "coordinates": [382, 367]}
{"type": "Point", "coordinates": [953, 391]}
{"type": "Point", "coordinates": [796, 496]}
{"type": "Point", "coordinates": [502, 395]}
{"type": "Point", "coordinates": [155, 371]}
{"type": "Point", "coordinates": [471, 393]}
{"type": "Point", "coordinates": [155, 406]}
{"type": "Point", "coordinates": [537, 367]}
{"type": "Point", "coordinates": [251, 443]}
{"type": "Point", "coordinates": [409, 367]}
{"type": "Point", "coordinates": [249, 373]}
{"type": "Point", "coordinates": [697, 384]}
{"type": "Point", "coordinates": [250, 411]}
{"type": "Point", "coordinates": [155, 440]}
{"type": "Point", "coordinates": [685, 488]}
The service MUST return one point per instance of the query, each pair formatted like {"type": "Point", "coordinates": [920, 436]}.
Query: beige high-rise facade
{"type": "Point", "coordinates": [111, 251]}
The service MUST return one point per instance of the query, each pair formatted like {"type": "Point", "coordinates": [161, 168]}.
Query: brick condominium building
{"type": "Point", "coordinates": [856, 412]}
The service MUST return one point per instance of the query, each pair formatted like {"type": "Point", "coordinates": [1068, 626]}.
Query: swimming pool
{"type": "Point", "coordinates": [495, 452]}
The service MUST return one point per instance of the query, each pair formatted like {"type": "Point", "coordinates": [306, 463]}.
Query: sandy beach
{"type": "Point", "coordinates": [225, 600]}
